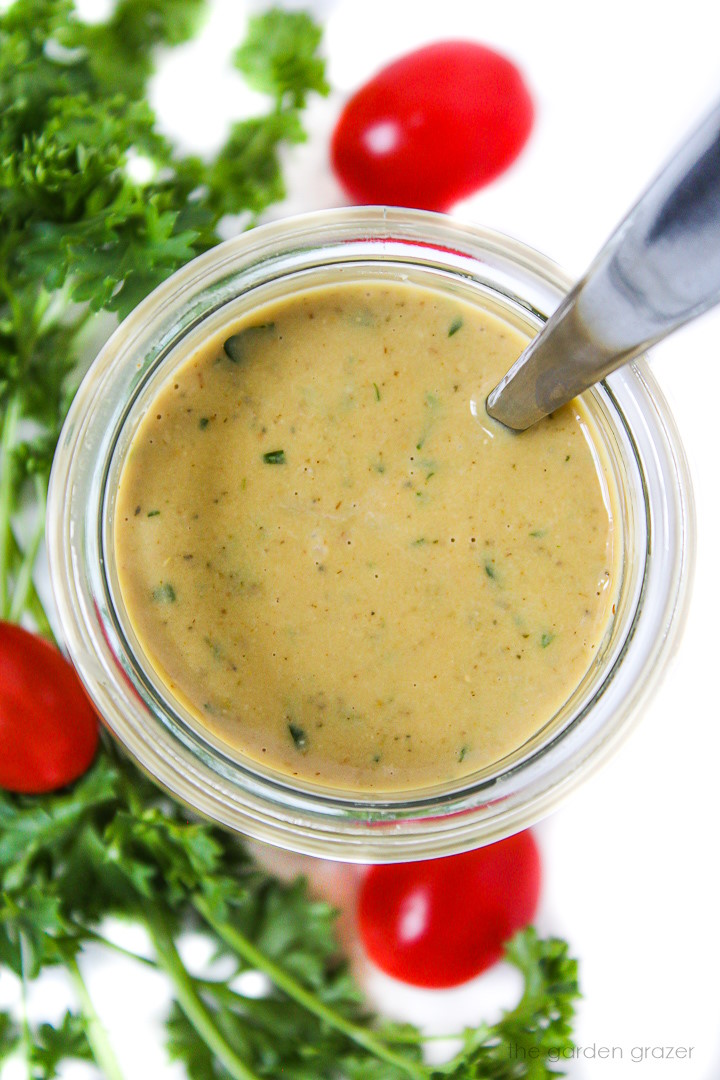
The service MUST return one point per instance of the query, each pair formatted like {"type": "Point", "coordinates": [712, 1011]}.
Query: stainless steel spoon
{"type": "Point", "coordinates": [659, 269]}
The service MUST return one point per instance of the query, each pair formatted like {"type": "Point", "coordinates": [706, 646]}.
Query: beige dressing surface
{"type": "Point", "coordinates": [340, 564]}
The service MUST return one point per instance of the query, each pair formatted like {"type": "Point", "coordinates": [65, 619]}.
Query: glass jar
{"type": "Point", "coordinates": [639, 441]}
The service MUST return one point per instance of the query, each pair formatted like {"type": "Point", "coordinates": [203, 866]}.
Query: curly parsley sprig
{"type": "Point", "coordinates": [80, 235]}
{"type": "Point", "coordinates": [116, 846]}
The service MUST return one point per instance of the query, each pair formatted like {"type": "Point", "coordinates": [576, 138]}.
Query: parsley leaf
{"type": "Point", "coordinates": [120, 51]}
{"type": "Point", "coordinates": [53, 1045]}
{"type": "Point", "coordinates": [530, 1039]}
{"type": "Point", "coordinates": [247, 171]}
{"type": "Point", "coordinates": [280, 58]}
{"type": "Point", "coordinates": [9, 1036]}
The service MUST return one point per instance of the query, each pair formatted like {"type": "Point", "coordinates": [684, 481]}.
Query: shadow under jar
{"type": "Point", "coordinates": [339, 815]}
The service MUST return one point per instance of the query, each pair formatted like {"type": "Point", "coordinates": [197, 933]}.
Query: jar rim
{"type": "Point", "coordinates": [355, 826]}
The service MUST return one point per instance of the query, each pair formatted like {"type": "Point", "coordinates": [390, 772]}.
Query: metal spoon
{"type": "Point", "coordinates": [660, 268]}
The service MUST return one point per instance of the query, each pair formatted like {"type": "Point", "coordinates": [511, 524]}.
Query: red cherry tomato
{"type": "Point", "coordinates": [48, 729]}
{"type": "Point", "coordinates": [441, 922]}
{"type": "Point", "coordinates": [432, 127]}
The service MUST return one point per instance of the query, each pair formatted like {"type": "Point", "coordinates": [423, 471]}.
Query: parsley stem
{"type": "Point", "coordinates": [217, 987]}
{"type": "Point", "coordinates": [96, 1035]}
{"type": "Point", "coordinates": [87, 933]}
{"type": "Point", "coordinates": [23, 578]}
{"type": "Point", "coordinates": [190, 1001]}
{"type": "Point", "coordinates": [294, 989]}
{"type": "Point", "coordinates": [34, 604]}
{"type": "Point", "coordinates": [26, 1036]}
{"type": "Point", "coordinates": [7, 438]}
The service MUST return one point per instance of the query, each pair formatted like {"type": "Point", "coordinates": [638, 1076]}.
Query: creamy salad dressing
{"type": "Point", "coordinates": [340, 564]}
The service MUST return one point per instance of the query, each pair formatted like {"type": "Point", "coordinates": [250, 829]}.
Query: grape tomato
{"type": "Point", "coordinates": [440, 922]}
{"type": "Point", "coordinates": [48, 728]}
{"type": "Point", "coordinates": [432, 127]}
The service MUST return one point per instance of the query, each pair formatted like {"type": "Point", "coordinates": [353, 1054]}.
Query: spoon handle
{"type": "Point", "coordinates": [659, 269]}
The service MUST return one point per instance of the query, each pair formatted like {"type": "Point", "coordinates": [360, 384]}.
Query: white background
{"type": "Point", "coordinates": [631, 862]}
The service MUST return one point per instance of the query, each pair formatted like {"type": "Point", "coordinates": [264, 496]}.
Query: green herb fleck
{"type": "Point", "coordinates": [377, 758]}
{"type": "Point", "coordinates": [274, 457]}
{"type": "Point", "coordinates": [538, 533]}
{"type": "Point", "coordinates": [546, 638]}
{"type": "Point", "coordinates": [153, 513]}
{"type": "Point", "coordinates": [455, 325]}
{"type": "Point", "coordinates": [214, 647]}
{"type": "Point", "coordinates": [238, 346]}
{"type": "Point", "coordinates": [419, 542]}
{"type": "Point", "coordinates": [164, 593]}
{"type": "Point", "coordinates": [490, 570]}
{"type": "Point", "coordinates": [431, 404]}
{"type": "Point", "coordinates": [203, 422]}
{"type": "Point", "coordinates": [377, 391]}
{"type": "Point", "coordinates": [298, 735]}
{"type": "Point", "coordinates": [567, 457]}
{"type": "Point", "coordinates": [463, 752]}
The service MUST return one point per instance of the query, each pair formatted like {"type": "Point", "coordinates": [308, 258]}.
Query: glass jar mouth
{"type": "Point", "coordinates": [199, 769]}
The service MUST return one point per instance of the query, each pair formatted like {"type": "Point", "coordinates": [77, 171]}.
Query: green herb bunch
{"type": "Point", "coordinates": [115, 846]}
{"type": "Point", "coordinates": [79, 237]}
